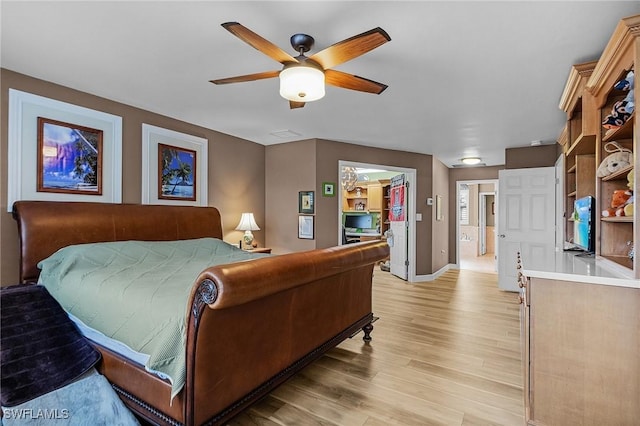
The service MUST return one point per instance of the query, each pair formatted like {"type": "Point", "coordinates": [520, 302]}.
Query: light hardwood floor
{"type": "Point", "coordinates": [444, 352]}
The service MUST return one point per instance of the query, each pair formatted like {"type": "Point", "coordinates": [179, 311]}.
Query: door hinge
{"type": "Point", "coordinates": [406, 263]}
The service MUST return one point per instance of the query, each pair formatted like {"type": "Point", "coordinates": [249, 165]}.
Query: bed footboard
{"type": "Point", "coordinates": [254, 324]}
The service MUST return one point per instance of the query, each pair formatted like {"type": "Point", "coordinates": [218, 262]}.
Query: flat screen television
{"type": "Point", "coordinates": [584, 223]}
{"type": "Point", "coordinates": [358, 221]}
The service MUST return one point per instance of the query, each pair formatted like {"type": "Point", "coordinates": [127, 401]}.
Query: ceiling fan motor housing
{"type": "Point", "coordinates": [302, 43]}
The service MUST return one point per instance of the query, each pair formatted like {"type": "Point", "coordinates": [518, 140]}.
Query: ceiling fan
{"type": "Point", "coordinates": [302, 78]}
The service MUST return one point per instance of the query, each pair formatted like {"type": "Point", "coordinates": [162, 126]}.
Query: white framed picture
{"type": "Point", "coordinates": [58, 151]}
{"type": "Point", "coordinates": [174, 167]}
{"type": "Point", "coordinates": [305, 227]}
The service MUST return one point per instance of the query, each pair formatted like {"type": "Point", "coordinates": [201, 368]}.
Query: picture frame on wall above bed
{"type": "Point", "coordinates": [174, 167]}
{"type": "Point", "coordinates": [69, 158]}
{"type": "Point", "coordinates": [28, 114]}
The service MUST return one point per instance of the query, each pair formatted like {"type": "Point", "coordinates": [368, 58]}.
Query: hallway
{"type": "Point", "coordinates": [485, 263]}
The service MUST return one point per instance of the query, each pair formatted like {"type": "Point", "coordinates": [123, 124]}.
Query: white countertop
{"type": "Point", "coordinates": [570, 266]}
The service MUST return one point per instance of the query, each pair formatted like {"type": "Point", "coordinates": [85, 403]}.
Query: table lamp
{"type": "Point", "coordinates": [247, 224]}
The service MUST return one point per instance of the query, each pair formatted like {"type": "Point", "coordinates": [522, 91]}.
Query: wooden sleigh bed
{"type": "Point", "coordinates": [249, 325]}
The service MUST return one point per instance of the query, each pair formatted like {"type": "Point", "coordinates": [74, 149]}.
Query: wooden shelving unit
{"type": "Point", "coordinates": [386, 205]}
{"type": "Point", "coordinates": [579, 139]}
{"type": "Point", "coordinates": [616, 235]}
{"type": "Point", "coordinates": [356, 200]}
{"type": "Point", "coordinates": [369, 197]}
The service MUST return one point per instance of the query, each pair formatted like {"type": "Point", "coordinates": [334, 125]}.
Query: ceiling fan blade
{"type": "Point", "coordinates": [350, 48]}
{"type": "Point", "coordinates": [259, 43]}
{"type": "Point", "coordinates": [353, 82]}
{"type": "Point", "coordinates": [294, 104]}
{"type": "Point", "coordinates": [248, 77]}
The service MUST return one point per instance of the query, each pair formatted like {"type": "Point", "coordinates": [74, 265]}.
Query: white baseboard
{"type": "Point", "coordinates": [435, 275]}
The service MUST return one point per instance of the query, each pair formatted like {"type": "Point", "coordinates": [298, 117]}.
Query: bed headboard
{"type": "Point", "coordinates": [46, 226]}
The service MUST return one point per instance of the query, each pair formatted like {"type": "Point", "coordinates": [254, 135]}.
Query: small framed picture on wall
{"type": "Point", "coordinates": [328, 189]}
{"type": "Point", "coordinates": [305, 227]}
{"type": "Point", "coordinates": [305, 202]}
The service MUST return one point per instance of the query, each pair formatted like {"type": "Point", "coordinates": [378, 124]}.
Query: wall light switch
{"type": "Point", "coordinates": [429, 201]}
{"type": "Point", "coordinates": [418, 217]}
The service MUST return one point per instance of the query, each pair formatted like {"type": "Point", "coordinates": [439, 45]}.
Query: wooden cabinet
{"type": "Point", "coordinates": [374, 191]}
{"type": "Point", "coordinates": [385, 185]}
{"type": "Point", "coordinates": [578, 140]}
{"type": "Point", "coordinates": [580, 353]}
{"type": "Point", "coordinates": [615, 236]}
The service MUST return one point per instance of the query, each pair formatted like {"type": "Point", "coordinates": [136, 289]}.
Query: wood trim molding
{"type": "Point", "coordinates": [563, 137]}
{"type": "Point", "coordinates": [578, 77]}
{"type": "Point", "coordinates": [617, 56]}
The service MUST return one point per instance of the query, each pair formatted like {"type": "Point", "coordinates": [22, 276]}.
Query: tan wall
{"type": "Point", "coordinates": [285, 177]}
{"type": "Point", "coordinates": [491, 239]}
{"type": "Point", "coordinates": [289, 168]}
{"type": "Point", "coordinates": [473, 205]}
{"type": "Point", "coordinates": [455, 175]}
{"type": "Point", "coordinates": [440, 241]}
{"type": "Point", "coordinates": [235, 176]}
{"type": "Point", "coordinates": [532, 156]}
{"type": "Point", "coordinates": [328, 153]}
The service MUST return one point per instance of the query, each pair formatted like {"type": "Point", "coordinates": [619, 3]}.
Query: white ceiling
{"type": "Point", "coordinates": [466, 78]}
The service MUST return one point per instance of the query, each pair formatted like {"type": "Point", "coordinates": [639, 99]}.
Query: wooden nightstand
{"type": "Point", "coordinates": [259, 250]}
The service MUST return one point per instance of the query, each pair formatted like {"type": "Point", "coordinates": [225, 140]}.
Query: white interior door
{"type": "Point", "coordinates": [398, 225]}
{"type": "Point", "coordinates": [526, 221]}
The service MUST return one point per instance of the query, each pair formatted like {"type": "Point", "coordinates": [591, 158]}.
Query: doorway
{"type": "Point", "coordinates": [476, 214]}
{"type": "Point", "coordinates": [375, 174]}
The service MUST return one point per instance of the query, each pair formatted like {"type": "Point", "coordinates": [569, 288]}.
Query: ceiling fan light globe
{"type": "Point", "coordinates": [301, 84]}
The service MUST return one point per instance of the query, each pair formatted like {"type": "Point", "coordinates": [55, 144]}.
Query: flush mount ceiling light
{"type": "Point", "coordinates": [471, 160]}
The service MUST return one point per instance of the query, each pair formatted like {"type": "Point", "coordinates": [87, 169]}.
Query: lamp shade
{"type": "Point", "coordinates": [247, 223]}
{"type": "Point", "coordinates": [301, 83]}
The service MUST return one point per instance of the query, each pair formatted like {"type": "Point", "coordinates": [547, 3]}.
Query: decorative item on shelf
{"type": "Point", "coordinates": [348, 178]}
{"type": "Point", "coordinates": [247, 224]}
{"type": "Point", "coordinates": [358, 192]}
{"type": "Point", "coordinates": [621, 110]}
{"type": "Point", "coordinates": [632, 250]}
{"type": "Point", "coordinates": [619, 200]}
{"type": "Point", "coordinates": [359, 206]}
{"type": "Point", "coordinates": [628, 208]}
{"type": "Point", "coordinates": [619, 158]}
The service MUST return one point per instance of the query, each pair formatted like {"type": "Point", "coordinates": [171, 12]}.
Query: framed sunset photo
{"type": "Point", "coordinates": [69, 158]}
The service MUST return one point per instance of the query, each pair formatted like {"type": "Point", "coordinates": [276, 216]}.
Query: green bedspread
{"type": "Point", "coordinates": [137, 292]}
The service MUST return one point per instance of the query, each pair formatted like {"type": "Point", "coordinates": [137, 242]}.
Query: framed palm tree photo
{"type": "Point", "coordinates": [57, 151]}
{"type": "Point", "coordinates": [177, 171]}
{"type": "Point", "coordinates": [174, 167]}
